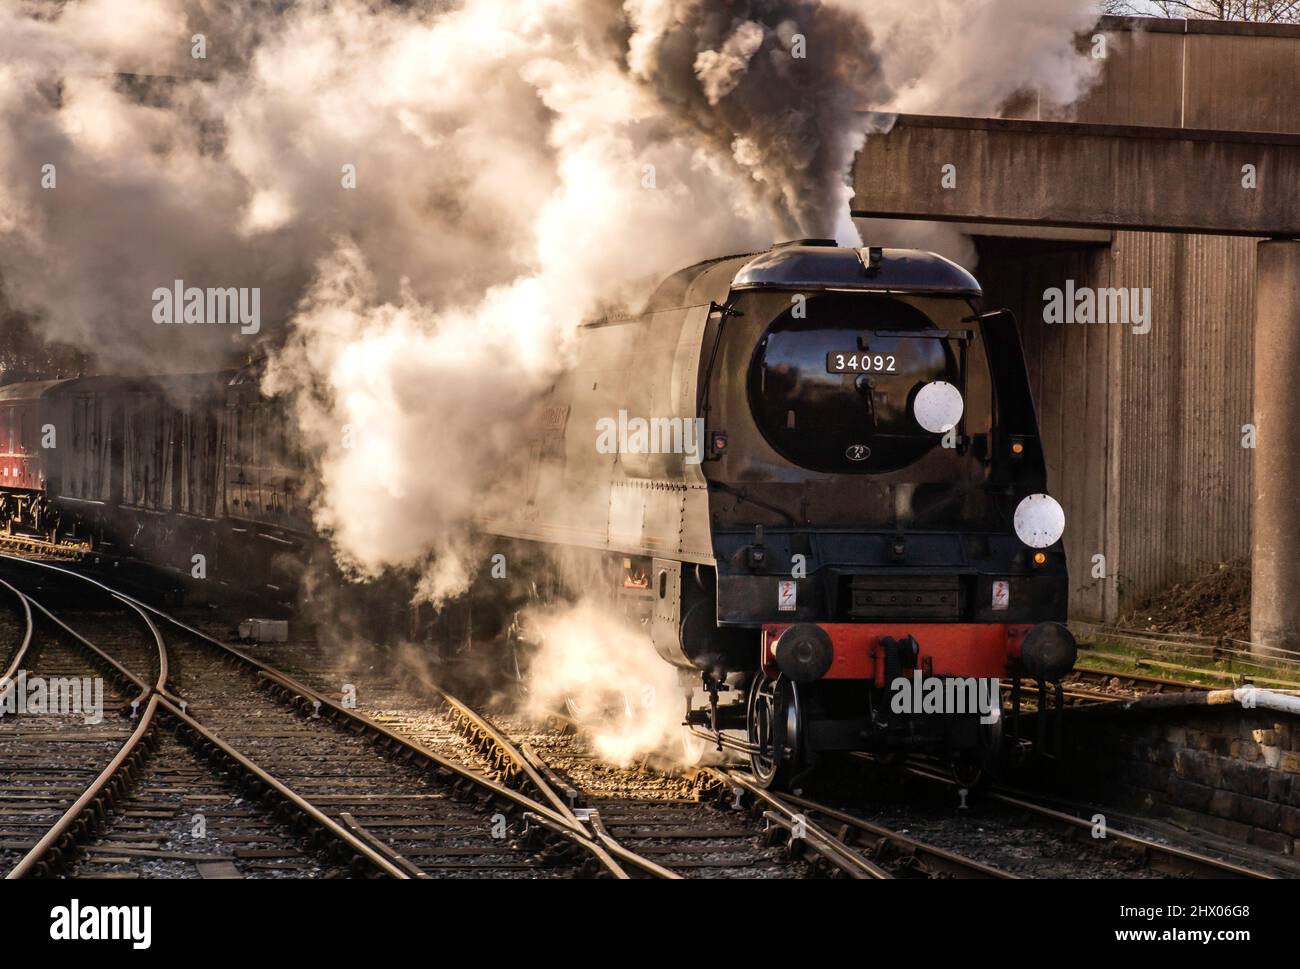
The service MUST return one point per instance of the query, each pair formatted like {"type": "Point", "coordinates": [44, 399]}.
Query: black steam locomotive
{"type": "Point", "coordinates": [813, 476]}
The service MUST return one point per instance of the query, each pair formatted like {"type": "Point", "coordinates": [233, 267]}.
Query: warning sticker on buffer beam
{"type": "Point", "coordinates": [1001, 594]}
{"type": "Point", "coordinates": [785, 595]}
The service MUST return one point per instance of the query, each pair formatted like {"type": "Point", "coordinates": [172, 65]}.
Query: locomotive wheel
{"type": "Point", "coordinates": [976, 768]}
{"type": "Point", "coordinates": [775, 721]}
{"type": "Point", "coordinates": [518, 680]}
{"type": "Point", "coordinates": [968, 772]}
{"type": "Point", "coordinates": [695, 750]}
{"type": "Point", "coordinates": [517, 657]}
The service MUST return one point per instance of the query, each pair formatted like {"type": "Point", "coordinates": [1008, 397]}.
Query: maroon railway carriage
{"type": "Point", "coordinates": [160, 469]}
{"type": "Point", "coordinates": [23, 504]}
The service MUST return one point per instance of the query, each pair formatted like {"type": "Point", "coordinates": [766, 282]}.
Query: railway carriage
{"type": "Point", "coordinates": [135, 469]}
{"type": "Point", "coordinates": [159, 469]}
{"type": "Point", "coordinates": [23, 504]}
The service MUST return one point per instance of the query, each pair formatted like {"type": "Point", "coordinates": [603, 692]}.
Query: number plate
{"type": "Point", "coordinates": [860, 361]}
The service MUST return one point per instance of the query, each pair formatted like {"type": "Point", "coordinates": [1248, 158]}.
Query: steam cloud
{"type": "Point", "coordinates": [517, 168]}
{"type": "Point", "coordinates": [602, 670]}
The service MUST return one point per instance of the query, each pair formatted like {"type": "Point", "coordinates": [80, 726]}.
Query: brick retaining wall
{"type": "Point", "coordinates": [1221, 767]}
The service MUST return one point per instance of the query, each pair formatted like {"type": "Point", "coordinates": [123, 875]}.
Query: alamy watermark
{"type": "Point", "coordinates": [655, 435]}
{"type": "Point", "coordinates": [214, 305]}
{"type": "Point", "coordinates": [75, 922]}
{"type": "Point", "coordinates": [1084, 304]}
{"type": "Point", "coordinates": [81, 696]}
{"type": "Point", "coordinates": [947, 694]}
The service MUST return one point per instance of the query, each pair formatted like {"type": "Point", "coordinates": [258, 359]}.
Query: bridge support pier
{"type": "Point", "coordinates": [1275, 509]}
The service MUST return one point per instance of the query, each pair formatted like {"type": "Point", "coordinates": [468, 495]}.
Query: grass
{"type": "Point", "coordinates": [1194, 666]}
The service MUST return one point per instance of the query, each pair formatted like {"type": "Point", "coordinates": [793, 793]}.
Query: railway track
{"type": "Point", "coordinates": [688, 825]}
{"type": "Point", "coordinates": [451, 794]}
{"type": "Point", "coordinates": [846, 845]}
{"type": "Point", "coordinates": [698, 824]}
{"type": "Point", "coordinates": [690, 829]}
{"type": "Point", "coordinates": [670, 830]}
{"type": "Point", "coordinates": [1020, 833]}
{"type": "Point", "coordinates": [55, 760]}
{"type": "Point", "coordinates": [70, 788]}
{"type": "Point", "coordinates": [725, 825]}
{"type": "Point", "coordinates": [887, 849]}
{"type": "Point", "coordinates": [396, 807]}
{"type": "Point", "coordinates": [1001, 835]}
{"type": "Point", "coordinates": [31, 545]}
{"type": "Point", "coordinates": [651, 816]}
{"type": "Point", "coordinates": [716, 826]}
{"type": "Point", "coordinates": [1085, 684]}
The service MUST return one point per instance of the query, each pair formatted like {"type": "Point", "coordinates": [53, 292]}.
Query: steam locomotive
{"type": "Point", "coordinates": [813, 476]}
{"type": "Point", "coordinates": [857, 524]}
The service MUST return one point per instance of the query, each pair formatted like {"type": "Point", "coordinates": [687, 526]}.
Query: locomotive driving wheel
{"type": "Point", "coordinates": [775, 721]}
{"type": "Point", "coordinates": [975, 769]}
{"type": "Point", "coordinates": [696, 751]}
{"type": "Point", "coordinates": [516, 660]}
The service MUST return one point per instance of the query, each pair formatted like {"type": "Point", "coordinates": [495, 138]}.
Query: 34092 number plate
{"type": "Point", "coordinates": [860, 361]}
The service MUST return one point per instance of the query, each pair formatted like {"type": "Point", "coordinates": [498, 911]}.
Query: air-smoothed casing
{"type": "Point", "coordinates": [690, 354]}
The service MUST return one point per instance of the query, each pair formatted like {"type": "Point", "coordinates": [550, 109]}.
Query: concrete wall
{"type": "Point", "coordinates": [1142, 431]}
{"type": "Point", "coordinates": [1188, 74]}
{"type": "Point", "coordinates": [1183, 475]}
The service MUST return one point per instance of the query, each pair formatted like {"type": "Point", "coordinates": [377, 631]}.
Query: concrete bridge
{"type": "Point", "coordinates": [1179, 174]}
